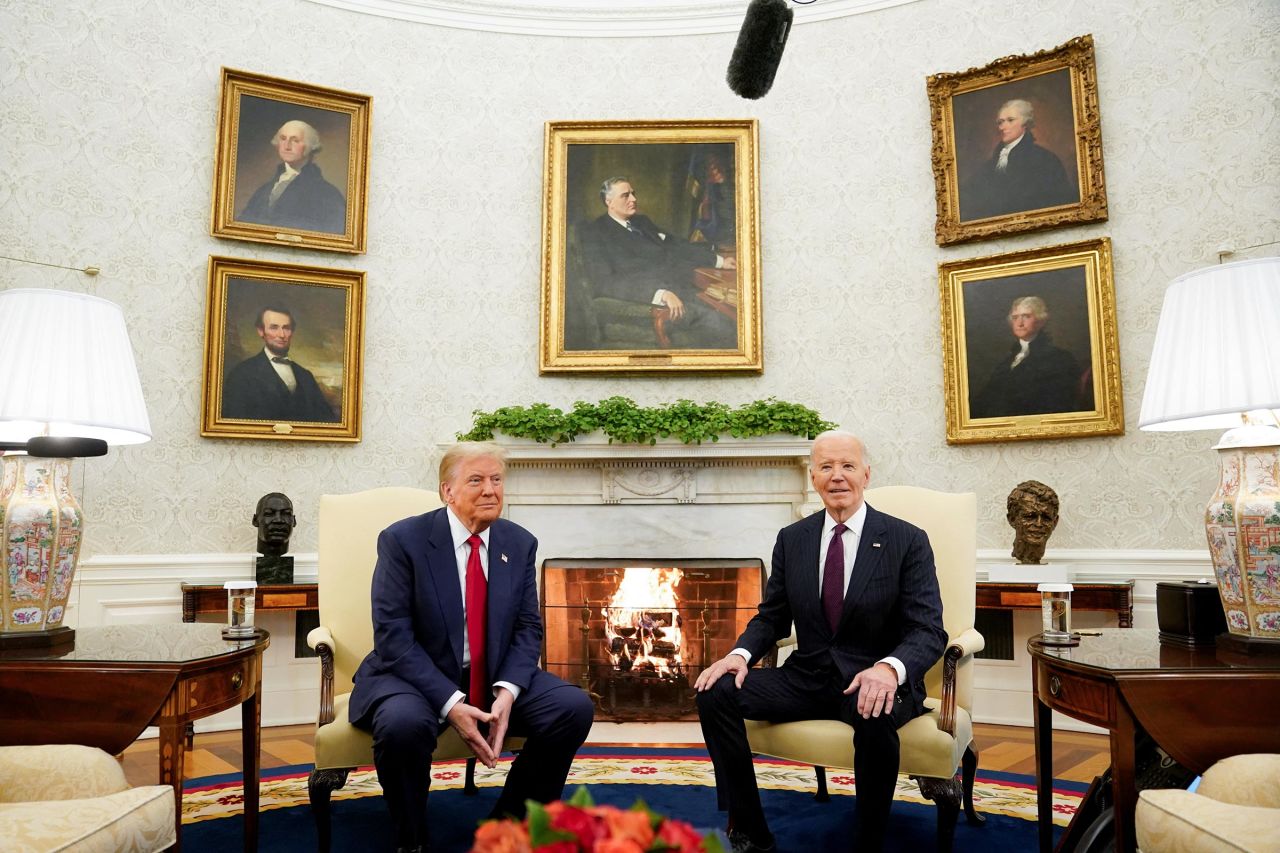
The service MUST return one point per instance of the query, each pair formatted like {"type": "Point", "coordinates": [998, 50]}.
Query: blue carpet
{"type": "Point", "coordinates": [672, 781]}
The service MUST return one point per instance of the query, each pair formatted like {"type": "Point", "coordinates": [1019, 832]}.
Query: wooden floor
{"type": "Point", "coordinates": [1076, 757]}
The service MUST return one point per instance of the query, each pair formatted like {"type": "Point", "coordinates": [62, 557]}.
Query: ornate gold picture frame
{"type": "Point", "coordinates": [282, 354]}
{"type": "Point", "coordinates": [1029, 345]}
{"type": "Point", "coordinates": [651, 247]}
{"type": "Point", "coordinates": [292, 163]}
{"type": "Point", "coordinates": [1017, 145]}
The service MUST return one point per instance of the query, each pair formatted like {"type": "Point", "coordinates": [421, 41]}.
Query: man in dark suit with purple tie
{"type": "Point", "coordinates": [862, 591]}
{"type": "Point", "coordinates": [456, 639]}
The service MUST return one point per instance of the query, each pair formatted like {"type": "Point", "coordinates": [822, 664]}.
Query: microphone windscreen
{"type": "Point", "coordinates": [759, 49]}
{"type": "Point", "coordinates": [63, 446]}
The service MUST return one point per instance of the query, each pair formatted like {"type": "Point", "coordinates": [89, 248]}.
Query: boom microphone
{"type": "Point", "coordinates": [759, 48]}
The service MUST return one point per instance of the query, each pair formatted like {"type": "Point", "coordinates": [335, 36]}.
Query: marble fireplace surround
{"type": "Point", "coordinates": [590, 498]}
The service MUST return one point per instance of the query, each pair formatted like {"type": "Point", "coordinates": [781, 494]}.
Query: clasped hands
{"type": "Point", "coordinates": [877, 685]}
{"type": "Point", "coordinates": [466, 720]}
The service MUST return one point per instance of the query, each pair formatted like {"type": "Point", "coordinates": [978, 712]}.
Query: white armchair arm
{"type": "Point", "coordinates": [57, 772]}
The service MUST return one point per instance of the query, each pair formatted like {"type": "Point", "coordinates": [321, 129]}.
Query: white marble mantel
{"type": "Point", "coordinates": [590, 498]}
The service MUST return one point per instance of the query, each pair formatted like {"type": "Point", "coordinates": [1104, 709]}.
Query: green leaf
{"type": "Point", "coordinates": [540, 831]}
{"type": "Point", "coordinates": [581, 798]}
{"type": "Point", "coordinates": [621, 420]}
{"type": "Point", "coordinates": [655, 819]}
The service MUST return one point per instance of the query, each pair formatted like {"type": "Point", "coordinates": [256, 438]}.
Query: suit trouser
{"type": "Point", "coordinates": [788, 693]}
{"type": "Point", "coordinates": [552, 715]}
{"type": "Point", "coordinates": [702, 327]}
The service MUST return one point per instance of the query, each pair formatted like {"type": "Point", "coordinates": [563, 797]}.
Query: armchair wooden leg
{"type": "Point", "coordinates": [946, 795]}
{"type": "Point", "coordinates": [969, 769]}
{"type": "Point", "coordinates": [820, 773]}
{"type": "Point", "coordinates": [470, 788]}
{"type": "Point", "coordinates": [320, 784]}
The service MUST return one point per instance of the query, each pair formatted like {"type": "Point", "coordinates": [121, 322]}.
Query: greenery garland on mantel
{"type": "Point", "coordinates": [623, 421]}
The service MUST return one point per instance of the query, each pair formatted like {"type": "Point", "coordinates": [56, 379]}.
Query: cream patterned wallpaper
{"type": "Point", "coordinates": [108, 116]}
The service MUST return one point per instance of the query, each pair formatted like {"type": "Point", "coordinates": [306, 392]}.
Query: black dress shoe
{"type": "Point", "coordinates": [740, 842]}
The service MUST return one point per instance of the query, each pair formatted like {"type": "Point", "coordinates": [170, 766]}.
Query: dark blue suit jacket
{"type": "Point", "coordinates": [892, 606]}
{"type": "Point", "coordinates": [418, 624]}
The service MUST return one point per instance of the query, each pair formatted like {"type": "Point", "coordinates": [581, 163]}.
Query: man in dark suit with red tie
{"type": "Point", "coordinates": [456, 639]}
{"type": "Point", "coordinates": [862, 591]}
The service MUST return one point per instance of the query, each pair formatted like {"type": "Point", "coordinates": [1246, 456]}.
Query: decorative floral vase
{"type": "Point", "coordinates": [42, 523]}
{"type": "Point", "coordinates": [1243, 525]}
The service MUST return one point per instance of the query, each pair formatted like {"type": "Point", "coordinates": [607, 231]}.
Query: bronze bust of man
{"type": "Point", "coordinates": [275, 522]}
{"type": "Point", "coordinates": [1032, 509]}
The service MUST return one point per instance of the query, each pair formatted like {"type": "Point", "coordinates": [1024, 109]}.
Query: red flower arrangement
{"type": "Point", "coordinates": [578, 825]}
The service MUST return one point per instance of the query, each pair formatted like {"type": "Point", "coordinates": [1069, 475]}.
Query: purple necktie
{"type": "Point", "coordinates": [833, 578]}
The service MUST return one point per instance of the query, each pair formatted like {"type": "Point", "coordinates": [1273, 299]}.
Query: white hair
{"type": "Point", "coordinates": [839, 433]}
{"type": "Point", "coordinates": [1034, 304]}
{"type": "Point", "coordinates": [308, 133]}
{"type": "Point", "coordinates": [1023, 108]}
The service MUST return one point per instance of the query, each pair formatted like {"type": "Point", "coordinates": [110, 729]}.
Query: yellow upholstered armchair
{"type": "Point", "coordinates": [1235, 808]}
{"type": "Point", "coordinates": [938, 744]}
{"type": "Point", "coordinates": [349, 528]}
{"type": "Point", "coordinates": [74, 799]}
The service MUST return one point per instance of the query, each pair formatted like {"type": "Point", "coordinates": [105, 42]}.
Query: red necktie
{"type": "Point", "coordinates": [832, 580]}
{"type": "Point", "coordinates": [477, 624]}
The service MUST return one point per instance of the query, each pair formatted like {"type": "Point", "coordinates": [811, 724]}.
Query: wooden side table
{"type": "Point", "coordinates": [1115, 597]}
{"type": "Point", "coordinates": [1200, 705]}
{"type": "Point", "coordinates": [212, 598]}
{"type": "Point", "coordinates": [118, 679]}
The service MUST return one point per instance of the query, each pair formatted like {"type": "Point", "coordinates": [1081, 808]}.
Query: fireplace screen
{"type": "Point", "coordinates": [636, 636]}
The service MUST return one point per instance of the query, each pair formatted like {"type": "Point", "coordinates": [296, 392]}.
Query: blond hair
{"type": "Point", "coordinates": [464, 450]}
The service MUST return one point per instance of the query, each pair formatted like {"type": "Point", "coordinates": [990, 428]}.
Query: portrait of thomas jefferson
{"type": "Point", "coordinates": [1028, 345]}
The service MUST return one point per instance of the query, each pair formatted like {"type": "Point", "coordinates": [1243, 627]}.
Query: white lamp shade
{"type": "Point", "coordinates": [1216, 352]}
{"type": "Point", "coordinates": [68, 369]}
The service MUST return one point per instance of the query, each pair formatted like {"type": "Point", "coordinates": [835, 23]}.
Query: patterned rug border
{"type": "Point", "coordinates": [994, 792]}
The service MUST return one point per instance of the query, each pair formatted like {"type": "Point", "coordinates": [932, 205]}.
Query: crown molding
{"type": "Point", "coordinates": [593, 19]}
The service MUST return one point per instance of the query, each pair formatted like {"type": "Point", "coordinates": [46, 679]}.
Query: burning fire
{"type": "Point", "coordinates": [642, 622]}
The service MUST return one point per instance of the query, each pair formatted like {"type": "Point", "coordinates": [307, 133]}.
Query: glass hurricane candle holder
{"type": "Point", "coordinates": [1055, 614]}
{"type": "Point", "coordinates": [240, 601]}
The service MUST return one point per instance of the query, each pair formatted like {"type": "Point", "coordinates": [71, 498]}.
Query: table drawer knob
{"type": "Point", "coordinates": [237, 678]}
{"type": "Point", "coordinates": [1055, 686]}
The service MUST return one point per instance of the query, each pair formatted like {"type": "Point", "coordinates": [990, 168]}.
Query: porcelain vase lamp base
{"type": "Point", "coordinates": [1242, 522]}
{"type": "Point", "coordinates": [42, 525]}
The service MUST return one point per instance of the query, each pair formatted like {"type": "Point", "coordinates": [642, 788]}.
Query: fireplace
{"type": "Point", "coordinates": [635, 634]}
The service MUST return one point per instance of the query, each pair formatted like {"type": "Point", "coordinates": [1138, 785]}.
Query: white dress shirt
{"type": "Point", "coordinates": [461, 551]}
{"type": "Point", "coordinates": [1003, 162]}
{"type": "Point", "coordinates": [282, 184]}
{"type": "Point", "coordinates": [283, 369]}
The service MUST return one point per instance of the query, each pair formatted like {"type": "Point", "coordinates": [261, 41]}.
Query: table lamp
{"type": "Point", "coordinates": [1216, 365]}
{"type": "Point", "coordinates": [70, 388]}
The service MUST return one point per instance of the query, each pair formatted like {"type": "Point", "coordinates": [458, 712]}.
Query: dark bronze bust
{"type": "Point", "coordinates": [275, 522]}
{"type": "Point", "coordinates": [1032, 509]}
